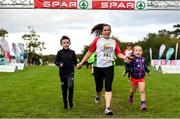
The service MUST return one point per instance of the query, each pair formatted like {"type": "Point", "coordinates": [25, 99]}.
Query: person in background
{"type": "Point", "coordinates": [66, 61]}
{"type": "Point", "coordinates": [127, 52]}
{"type": "Point", "coordinates": [90, 62]}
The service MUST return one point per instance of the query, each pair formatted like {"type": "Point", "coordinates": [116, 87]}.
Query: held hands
{"type": "Point", "coordinates": [78, 66]}
{"type": "Point", "coordinates": [128, 59]}
{"type": "Point", "coordinates": [61, 64]}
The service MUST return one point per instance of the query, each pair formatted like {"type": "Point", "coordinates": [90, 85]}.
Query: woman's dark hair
{"type": "Point", "coordinates": [97, 30]}
{"type": "Point", "coordinates": [64, 37]}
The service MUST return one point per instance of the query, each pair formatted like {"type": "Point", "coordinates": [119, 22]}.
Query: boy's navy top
{"type": "Point", "coordinates": [68, 58]}
{"type": "Point", "coordinates": [138, 67]}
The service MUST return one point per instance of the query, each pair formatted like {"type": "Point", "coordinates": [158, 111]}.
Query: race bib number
{"type": "Point", "coordinates": [108, 53]}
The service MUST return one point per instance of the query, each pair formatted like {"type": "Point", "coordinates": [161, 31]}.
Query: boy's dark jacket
{"type": "Point", "coordinates": [68, 58]}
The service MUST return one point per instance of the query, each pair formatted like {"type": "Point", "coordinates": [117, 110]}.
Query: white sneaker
{"type": "Point", "coordinates": [108, 111]}
{"type": "Point", "coordinates": [97, 99]}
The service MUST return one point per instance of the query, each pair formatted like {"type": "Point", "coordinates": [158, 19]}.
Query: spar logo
{"type": "Point", "coordinates": [140, 5]}
{"type": "Point", "coordinates": [113, 4]}
{"type": "Point", "coordinates": [64, 4]}
{"type": "Point", "coordinates": [83, 4]}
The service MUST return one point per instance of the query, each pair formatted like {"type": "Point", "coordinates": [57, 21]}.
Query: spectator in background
{"type": "Point", "coordinates": [90, 63]}
{"type": "Point", "coordinates": [127, 52]}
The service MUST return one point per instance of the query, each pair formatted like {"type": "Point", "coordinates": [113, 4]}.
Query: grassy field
{"type": "Point", "coordinates": [35, 92]}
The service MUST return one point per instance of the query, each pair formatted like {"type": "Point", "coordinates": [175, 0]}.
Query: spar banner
{"type": "Point", "coordinates": [56, 4]}
{"type": "Point", "coordinates": [92, 4]}
{"type": "Point", "coordinates": [163, 62]}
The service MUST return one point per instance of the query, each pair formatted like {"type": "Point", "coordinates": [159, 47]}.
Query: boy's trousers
{"type": "Point", "coordinates": [67, 83]}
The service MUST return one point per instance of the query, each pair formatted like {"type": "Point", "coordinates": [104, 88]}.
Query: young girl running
{"type": "Point", "coordinates": [138, 69]}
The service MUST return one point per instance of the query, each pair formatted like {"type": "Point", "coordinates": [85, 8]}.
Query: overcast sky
{"type": "Point", "coordinates": [52, 24]}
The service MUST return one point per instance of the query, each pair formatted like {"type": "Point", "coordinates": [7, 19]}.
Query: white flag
{"type": "Point", "coordinates": [176, 51]}
{"type": "Point", "coordinates": [21, 47]}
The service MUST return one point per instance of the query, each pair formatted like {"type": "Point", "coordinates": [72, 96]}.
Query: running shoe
{"type": "Point", "coordinates": [108, 111]}
{"type": "Point", "coordinates": [97, 99]}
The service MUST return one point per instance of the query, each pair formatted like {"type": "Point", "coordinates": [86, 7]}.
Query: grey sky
{"type": "Point", "coordinates": [77, 24]}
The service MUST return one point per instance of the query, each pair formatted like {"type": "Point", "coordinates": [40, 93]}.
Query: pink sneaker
{"type": "Point", "coordinates": [143, 106]}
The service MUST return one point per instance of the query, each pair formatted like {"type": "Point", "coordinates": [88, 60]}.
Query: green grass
{"type": "Point", "coordinates": [36, 92]}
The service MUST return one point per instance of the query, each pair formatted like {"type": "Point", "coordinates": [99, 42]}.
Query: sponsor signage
{"type": "Point", "coordinates": [155, 62]}
{"type": "Point", "coordinates": [169, 69]}
{"type": "Point", "coordinates": [8, 68]}
{"type": "Point", "coordinates": [91, 4]}
{"type": "Point", "coordinates": [173, 66]}
{"type": "Point", "coordinates": [113, 4]}
{"type": "Point", "coordinates": [163, 4]}
{"type": "Point", "coordinates": [20, 66]}
{"type": "Point", "coordinates": [56, 4]}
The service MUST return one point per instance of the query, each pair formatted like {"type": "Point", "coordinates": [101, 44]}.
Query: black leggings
{"type": "Point", "coordinates": [67, 83]}
{"type": "Point", "coordinates": [104, 73]}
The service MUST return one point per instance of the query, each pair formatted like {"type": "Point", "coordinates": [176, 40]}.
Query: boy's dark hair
{"type": "Point", "coordinates": [64, 37]}
{"type": "Point", "coordinates": [97, 29]}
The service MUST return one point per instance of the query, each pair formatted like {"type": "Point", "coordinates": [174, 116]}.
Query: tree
{"type": "Point", "coordinates": [33, 45]}
{"type": "Point", "coordinates": [3, 32]}
{"type": "Point", "coordinates": [155, 40]}
{"type": "Point", "coordinates": [176, 32]}
{"type": "Point", "coordinates": [84, 51]}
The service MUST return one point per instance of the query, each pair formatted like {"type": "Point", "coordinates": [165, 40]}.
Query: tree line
{"type": "Point", "coordinates": [152, 40]}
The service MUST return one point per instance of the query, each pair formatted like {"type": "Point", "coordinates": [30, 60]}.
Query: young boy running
{"type": "Point", "coordinates": [66, 60]}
